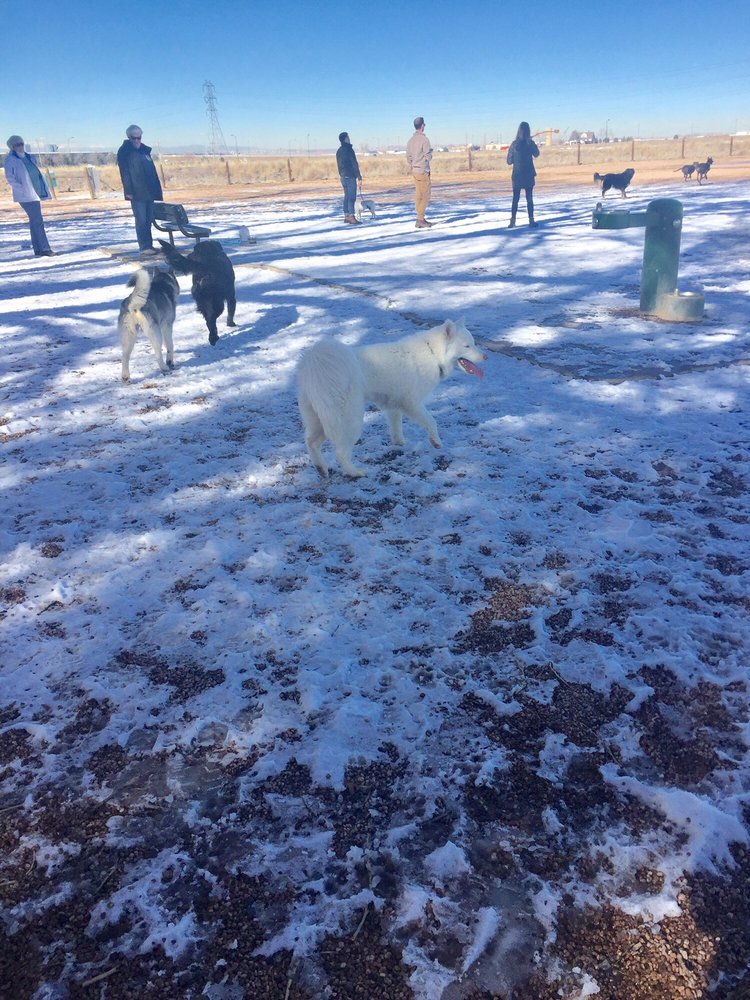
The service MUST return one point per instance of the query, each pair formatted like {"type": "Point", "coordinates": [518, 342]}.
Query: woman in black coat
{"type": "Point", "coordinates": [140, 185]}
{"type": "Point", "coordinates": [521, 155]}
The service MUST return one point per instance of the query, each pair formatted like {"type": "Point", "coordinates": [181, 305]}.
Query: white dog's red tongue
{"type": "Point", "coordinates": [470, 368]}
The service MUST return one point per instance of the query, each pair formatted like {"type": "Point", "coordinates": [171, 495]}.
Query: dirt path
{"type": "Point", "coordinates": [459, 186]}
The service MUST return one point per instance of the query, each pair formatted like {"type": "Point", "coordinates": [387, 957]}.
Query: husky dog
{"type": "Point", "coordinates": [150, 307]}
{"type": "Point", "coordinates": [213, 281]}
{"type": "Point", "coordinates": [334, 383]}
{"type": "Point", "coordinates": [618, 181]}
{"type": "Point", "coordinates": [365, 205]}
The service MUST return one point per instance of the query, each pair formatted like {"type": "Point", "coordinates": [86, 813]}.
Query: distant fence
{"type": "Point", "coordinates": [180, 172]}
{"type": "Point", "coordinates": [685, 150]}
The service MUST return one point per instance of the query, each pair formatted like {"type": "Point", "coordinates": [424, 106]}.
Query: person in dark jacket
{"type": "Point", "coordinates": [521, 155]}
{"type": "Point", "coordinates": [346, 161]}
{"type": "Point", "coordinates": [140, 184]}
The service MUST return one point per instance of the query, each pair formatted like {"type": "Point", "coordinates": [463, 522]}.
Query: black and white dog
{"type": "Point", "coordinates": [150, 307]}
{"type": "Point", "coordinates": [617, 181]}
{"type": "Point", "coordinates": [213, 281]}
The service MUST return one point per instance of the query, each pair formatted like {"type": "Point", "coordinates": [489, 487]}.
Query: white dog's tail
{"type": "Point", "coordinates": [329, 378]}
{"type": "Point", "coordinates": [331, 396]}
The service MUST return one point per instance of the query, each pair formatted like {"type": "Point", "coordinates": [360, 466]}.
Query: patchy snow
{"type": "Point", "coordinates": [376, 693]}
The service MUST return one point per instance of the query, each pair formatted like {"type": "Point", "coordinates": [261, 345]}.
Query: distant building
{"type": "Point", "coordinates": [587, 136]}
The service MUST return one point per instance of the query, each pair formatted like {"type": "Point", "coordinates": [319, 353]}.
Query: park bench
{"type": "Point", "coordinates": [173, 218]}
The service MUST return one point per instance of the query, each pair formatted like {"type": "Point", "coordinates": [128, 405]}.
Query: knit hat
{"type": "Point", "coordinates": [343, 135]}
{"type": "Point", "coordinates": [14, 140]}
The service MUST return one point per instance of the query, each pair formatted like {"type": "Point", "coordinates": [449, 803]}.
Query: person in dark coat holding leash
{"type": "Point", "coordinates": [346, 161]}
{"type": "Point", "coordinates": [140, 184]}
{"type": "Point", "coordinates": [29, 191]}
{"type": "Point", "coordinates": [521, 155]}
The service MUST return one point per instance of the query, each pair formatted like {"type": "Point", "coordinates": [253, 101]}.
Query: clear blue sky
{"type": "Point", "coordinates": [289, 73]}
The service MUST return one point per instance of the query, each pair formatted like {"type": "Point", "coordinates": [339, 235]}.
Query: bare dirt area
{"type": "Point", "coordinates": [459, 186]}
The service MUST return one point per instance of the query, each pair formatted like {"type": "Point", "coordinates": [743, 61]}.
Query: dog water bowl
{"type": "Point", "coordinates": [682, 307]}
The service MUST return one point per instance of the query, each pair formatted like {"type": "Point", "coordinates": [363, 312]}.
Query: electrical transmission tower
{"type": "Point", "coordinates": [216, 142]}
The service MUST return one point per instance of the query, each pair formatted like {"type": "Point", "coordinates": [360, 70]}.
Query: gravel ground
{"type": "Point", "coordinates": [97, 812]}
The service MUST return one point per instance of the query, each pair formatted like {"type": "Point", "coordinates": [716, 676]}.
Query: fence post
{"type": "Point", "coordinates": [731, 144]}
{"type": "Point", "coordinates": [578, 152]}
{"type": "Point", "coordinates": [229, 176]}
{"type": "Point", "coordinates": [92, 179]}
{"type": "Point", "coordinates": [682, 153]}
{"type": "Point", "coordinates": [469, 152]}
{"type": "Point", "coordinates": [161, 171]}
{"type": "Point", "coordinates": [289, 169]}
{"type": "Point", "coordinates": [632, 150]}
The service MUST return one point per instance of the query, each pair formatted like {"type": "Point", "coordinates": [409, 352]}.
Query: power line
{"type": "Point", "coordinates": [216, 142]}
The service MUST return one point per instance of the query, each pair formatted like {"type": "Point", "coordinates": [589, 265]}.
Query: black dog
{"type": "Point", "coordinates": [618, 181]}
{"type": "Point", "coordinates": [701, 170]}
{"type": "Point", "coordinates": [213, 281]}
{"type": "Point", "coordinates": [688, 170]}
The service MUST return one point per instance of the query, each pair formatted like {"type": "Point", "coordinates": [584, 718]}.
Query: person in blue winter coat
{"type": "Point", "coordinates": [140, 185]}
{"type": "Point", "coordinates": [29, 190]}
{"type": "Point", "coordinates": [521, 156]}
{"type": "Point", "coordinates": [346, 161]}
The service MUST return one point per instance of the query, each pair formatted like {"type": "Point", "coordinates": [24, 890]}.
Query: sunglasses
{"type": "Point", "coordinates": [17, 145]}
{"type": "Point", "coordinates": [136, 137]}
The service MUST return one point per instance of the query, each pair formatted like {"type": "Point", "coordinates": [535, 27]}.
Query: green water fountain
{"type": "Point", "coordinates": [661, 253]}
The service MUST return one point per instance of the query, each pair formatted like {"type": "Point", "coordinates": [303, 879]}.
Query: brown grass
{"type": "Point", "coordinates": [396, 187]}
{"type": "Point", "coordinates": [653, 160]}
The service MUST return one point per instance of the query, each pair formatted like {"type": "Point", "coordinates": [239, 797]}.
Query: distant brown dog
{"type": "Point", "coordinates": [701, 170]}
{"type": "Point", "coordinates": [618, 181]}
{"type": "Point", "coordinates": [688, 170]}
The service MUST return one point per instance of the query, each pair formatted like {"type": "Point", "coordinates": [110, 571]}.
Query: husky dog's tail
{"type": "Point", "coordinates": [134, 317]}
{"type": "Point", "coordinates": [331, 395]}
{"type": "Point", "coordinates": [141, 283]}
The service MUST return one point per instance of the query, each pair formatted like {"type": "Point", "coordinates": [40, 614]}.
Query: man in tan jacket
{"type": "Point", "coordinates": [418, 156]}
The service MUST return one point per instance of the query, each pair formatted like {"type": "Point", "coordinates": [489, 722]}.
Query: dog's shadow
{"type": "Point", "coordinates": [235, 339]}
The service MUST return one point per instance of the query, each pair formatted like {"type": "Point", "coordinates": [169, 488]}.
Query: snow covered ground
{"type": "Point", "coordinates": [477, 722]}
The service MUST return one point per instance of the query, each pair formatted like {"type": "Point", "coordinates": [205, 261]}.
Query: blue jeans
{"type": "Point", "coordinates": [36, 225]}
{"type": "Point", "coordinates": [349, 184]}
{"type": "Point", "coordinates": [144, 216]}
{"type": "Point", "coordinates": [529, 201]}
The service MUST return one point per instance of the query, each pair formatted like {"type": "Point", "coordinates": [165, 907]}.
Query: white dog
{"type": "Point", "coordinates": [150, 307]}
{"type": "Point", "coordinates": [335, 381]}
